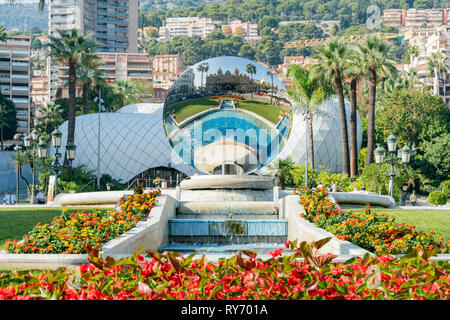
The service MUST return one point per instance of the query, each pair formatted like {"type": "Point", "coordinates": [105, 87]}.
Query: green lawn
{"type": "Point", "coordinates": [437, 221]}
{"type": "Point", "coordinates": [16, 222]}
{"type": "Point", "coordinates": [191, 107]}
{"type": "Point", "coordinates": [264, 109]}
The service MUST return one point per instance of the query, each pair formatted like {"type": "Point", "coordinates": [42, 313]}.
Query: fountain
{"type": "Point", "coordinates": [226, 124]}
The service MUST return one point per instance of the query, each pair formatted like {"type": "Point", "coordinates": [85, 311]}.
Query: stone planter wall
{"type": "Point", "coordinates": [302, 230]}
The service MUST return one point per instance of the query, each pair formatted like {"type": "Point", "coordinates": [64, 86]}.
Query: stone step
{"type": "Point", "coordinates": [228, 231]}
{"type": "Point", "coordinates": [223, 216]}
{"type": "Point", "coordinates": [226, 207]}
{"type": "Point", "coordinates": [223, 250]}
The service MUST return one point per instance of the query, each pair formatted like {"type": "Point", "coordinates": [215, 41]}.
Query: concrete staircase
{"type": "Point", "coordinates": [223, 228]}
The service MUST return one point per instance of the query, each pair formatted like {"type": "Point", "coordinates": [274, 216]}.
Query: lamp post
{"type": "Point", "coordinates": [18, 148]}
{"type": "Point", "coordinates": [30, 141]}
{"type": "Point", "coordinates": [101, 108]}
{"type": "Point", "coordinates": [307, 117]}
{"type": "Point", "coordinates": [402, 155]}
{"type": "Point", "coordinates": [56, 167]}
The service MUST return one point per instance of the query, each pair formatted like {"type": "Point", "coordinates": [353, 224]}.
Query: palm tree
{"type": "Point", "coordinates": [69, 48]}
{"type": "Point", "coordinates": [251, 70]}
{"type": "Point", "coordinates": [375, 60]}
{"type": "Point", "coordinates": [3, 35]}
{"type": "Point", "coordinates": [411, 76]}
{"type": "Point", "coordinates": [353, 73]}
{"type": "Point", "coordinates": [41, 5]}
{"type": "Point", "coordinates": [50, 116]}
{"type": "Point", "coordinates": [89, 73]}
{"type": "Point", "coordinates": [332, 60]}
{"type": "Point", "coordinates": [21, 159]}
{"type": "Point", "coordinates": [127, 91]}
{"type": "Point", "coordinates": [281, 169]}
{"type": "Point", "coordinates": [270, 74]}
{"type": "Point", "coordinates": [309, 93]}
{"type": "Point", "coordinates": [204, 67]}
{"type": "Point", "coordinates": [397, 84]}
{"type": "Point", "coordinates": [437, 66]}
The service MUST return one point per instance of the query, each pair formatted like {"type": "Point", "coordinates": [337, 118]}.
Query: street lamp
{"type": "Point", "coordinates": [56, 167]}
{"type": "Point", "coordinates": [30, 141]}
{"type": "Point", "coordinates": [101, 108]}
{"type": "Point", "coordinates": [402, 155]}
{"type": "Point", "coordinates": [19, 148]}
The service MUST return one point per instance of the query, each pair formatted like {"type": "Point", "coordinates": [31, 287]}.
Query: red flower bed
{"type": "Point", "coordinates": [378, 233]}
{"type": "Point", "coordinates": [71, 232]}
{"type": "Point", "coordinates": [171, 276]}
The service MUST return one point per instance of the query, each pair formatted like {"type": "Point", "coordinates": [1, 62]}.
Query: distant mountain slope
{"type": "Point", "coordinates": [154, 5]}
{"type": "Point", "coordinates": [22, 17]}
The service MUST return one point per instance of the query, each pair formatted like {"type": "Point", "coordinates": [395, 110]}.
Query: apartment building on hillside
{"type": "Point", "coordinates": [248, 30]}
{"type": "Point", "coordinates": [115, 66]}
{"type": "Point", "coordinates": [186, 26]}
{"type": "Point", "coordinates": [113, 24]}
{"type": "Point", "coordinates": [415, 18]}
{"type": "Point", "coordinates": [15, 76]}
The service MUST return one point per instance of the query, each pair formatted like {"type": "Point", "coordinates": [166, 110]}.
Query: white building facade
{"type": "Point", "coordinates": [187, 27]}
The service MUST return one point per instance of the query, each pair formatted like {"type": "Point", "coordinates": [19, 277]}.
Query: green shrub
{"type": "Point", "coordinates": [326, 178]}
{"type": "Point", "coordinates": [437, 198]}
{"type": "Point", "coordinates": [67, 186]}
{"type": "Point", "coordinates": [446, 188]}
{"type": "Point", "coordinates": [297, 176]}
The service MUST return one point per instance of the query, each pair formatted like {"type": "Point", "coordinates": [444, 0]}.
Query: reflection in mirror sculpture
{"type": "Point", "coordinates": [227, 115]}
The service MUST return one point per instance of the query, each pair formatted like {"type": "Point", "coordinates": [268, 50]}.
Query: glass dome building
{"type": "Point", "coordinates": [218, 127]}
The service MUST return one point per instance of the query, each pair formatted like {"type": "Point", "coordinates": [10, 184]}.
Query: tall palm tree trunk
{"type": "Point", "coordinates": [310, 139]}
{"type": "Point", "coordinates": [371, 117]}
{"type": "Point", "coordinates": [1, 138]}
{"type": "Point", "coordinates": [86, 97]}
{"type": "Point", "coordinates": [343, 120]}
{"type": "Point", "coordinates": [72, 105]}
{"type": "Point", "coordinates": [353, 124]}
{"type": "Point", "coordinates": [436, 83]}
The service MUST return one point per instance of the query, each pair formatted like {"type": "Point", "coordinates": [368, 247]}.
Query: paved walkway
{"type": "Point", "coordinates": [425, 207]}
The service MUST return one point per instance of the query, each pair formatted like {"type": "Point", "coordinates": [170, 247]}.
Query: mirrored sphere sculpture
{"type": "Point", "coordinates": [227, 115]}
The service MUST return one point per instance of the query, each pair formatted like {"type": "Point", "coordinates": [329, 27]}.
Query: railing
{"type": "Point", "coordinates": [148, 183]}
{"type": "Point", "coordinates": [93, 182]}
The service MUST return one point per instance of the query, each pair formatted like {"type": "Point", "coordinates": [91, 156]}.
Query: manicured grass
{"type": "Point", "coordinates": [18, 221]}
{"type": "Point", "coordinates": [264, 109]}
{"type": "Point", "coordinates": [191, 107]}
{"type": "Point", "coordinates": [437, 221]}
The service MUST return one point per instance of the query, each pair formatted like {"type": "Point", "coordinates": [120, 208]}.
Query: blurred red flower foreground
{"type": "Point", "coordinates": [302, 274]}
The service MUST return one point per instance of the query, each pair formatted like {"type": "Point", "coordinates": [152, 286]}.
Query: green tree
{"type": "Point", "coordinates": [3, 35]}
{"type": "Point", "coordinates": [354, 73]}
{"type": "Point", "coordinates": [437, 153]}
{"type": "Point", "coordinates": [308, 93]}
{"type": "Point", "coordinates": [51, 116]}
{"type": "Point", "coordinates": [374, 53]}
{"type": "Point", "coordinates": [88, 72]}
{"type": "Point", "coordinates": [251, 70]}
{"type": "Point", "coordinates": [332, 60]}
{"type": "Point", "coordinates": [127, 93]}
{"type": "Point", "coordinates": [69, 48]}
{"type": "Point", "coordinates": [413, 116]}
{"type": "Point", "coordinates": [423, 4]}
{"type": "Point", "coordinates": [437, 66]}
{"type": "Point", "coordinates": [8, 120]}
{"type": "Point", "coordinates": [203, 67]}
{"type": "Point", "coordinates": [281, 169]}
{"type": "Point", "coordinates": [21, 159]}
